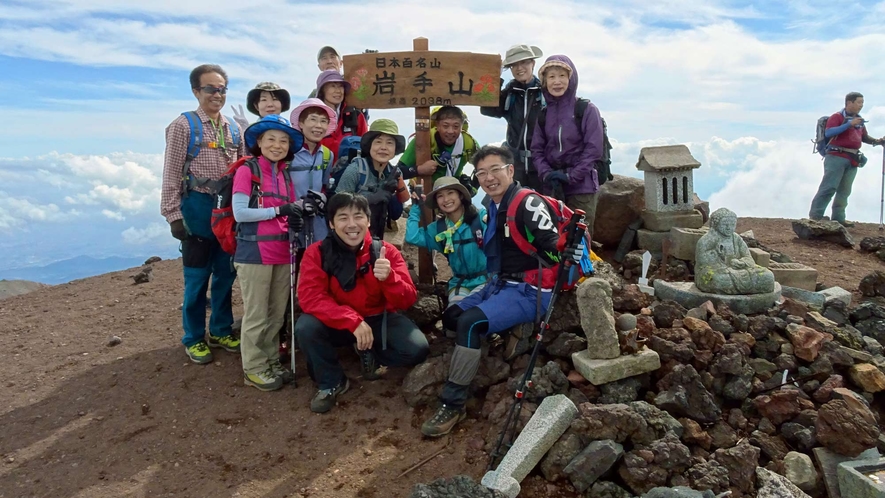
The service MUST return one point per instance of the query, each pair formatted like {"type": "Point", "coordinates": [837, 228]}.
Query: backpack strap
{"type": "Point", "coordinates": [363, 171]}
{"type": "Point", "coordinates": [580, 109]}
{"type": "Point", "coordinates": [195, 142]}
{"type": "Point", "coordinates": [327, 157]}
{"type": "Point", "coordinates": [512, 230]}
{"type": "Point", "coordinates": [374, 251]}
{"type": "Point", "coordinates": [476, 230]}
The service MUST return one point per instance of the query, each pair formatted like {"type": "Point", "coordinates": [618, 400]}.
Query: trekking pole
{"type": "Point", "coordinates": [882, 193]}
{"type": "Point", "coordinates": [293, 250]}
{"type": "Point", "coordinates": [574, 229]}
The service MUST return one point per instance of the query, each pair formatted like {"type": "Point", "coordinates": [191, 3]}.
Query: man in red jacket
{"type": "Point", "coordinates": [351, 290]}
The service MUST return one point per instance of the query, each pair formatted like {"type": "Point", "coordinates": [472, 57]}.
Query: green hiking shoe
{"type": "Point", "coordinates": [325, 399]}
{"type": "Point", "coordinates": [264, 381]}
{"type": "Point", "coordinates": [282, 372]}
{"type": "Point", "coordinates": [443, 421]}
{"type": "Point", "coordinates": [199, 353]}
{"type": "Point", "coordinates": [228, 343]}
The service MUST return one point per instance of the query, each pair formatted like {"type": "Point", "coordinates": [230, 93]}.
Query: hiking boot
{"type": "Point", "coordinates": [199, 353]}
{"type": "Point", "coordinates": [228, 343]}
{"type": "Point", "coordinates": [282, 372]}
{"type": "Point", "coordinates": [325, 399]}
{"type": "Point", "coordinates": [443, 421]}
{"type": "Point", "coordinates": [846, 224]}
{"type": "Point", "coordinates": [368, 364]}
{"type": "Point", "coordinates": [519, 341]}
{"type": "Point", "coordinates": [264, 381]}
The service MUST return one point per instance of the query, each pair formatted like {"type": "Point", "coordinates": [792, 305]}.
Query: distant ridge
{"type": "Point", "coordinates": [66, 270]}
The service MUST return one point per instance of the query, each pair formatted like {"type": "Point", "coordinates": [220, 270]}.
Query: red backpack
{"type": "Point", "coordinates": [223, 224]}
{"type": "Point", "coordinates": [561, 214]}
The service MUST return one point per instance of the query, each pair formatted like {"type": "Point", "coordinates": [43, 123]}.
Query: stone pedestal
{"type": "Point", "coordinates": [663, 221]}
{"type": "Point", "coordinates": [761, 257]}
{"type": "Point", "coordinates": [814, 299]}
{"type": "Point", "coordinates": [549, 422]}
{"type": "Point", "coordinates": [651, 241]}
{"type": "Point", "coordinates": [594, 299]}
{"type": "Point", "coordinates": [684, 241]}
{"type": "Point", "coordinates": [855, 480]}
{"type": "Point", "coordinates": [600, 372]}
{"type": "Point", "coordinates": [829, 461]}
{"type": "Point", "coordinates": [795, 275]}
{"type": "Point", "coordinates": [689, 296]}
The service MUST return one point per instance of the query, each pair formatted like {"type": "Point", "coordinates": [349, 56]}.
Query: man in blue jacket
{"type": "Point", "coordinates": [519, 104]}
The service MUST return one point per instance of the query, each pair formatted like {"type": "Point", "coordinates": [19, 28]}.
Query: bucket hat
{"type": "Point", "coordinates": [443, 183]}
{"type": "Point", "coordinates": [266, 86]}
{"type": "Point", "coordinates": [383, 127]}
{"type": "Point", "coordinates": [553, 63]}
{"type": "Point", "coordinates": [273, 122]}
{"type": "Point", "coordinates": [518, 53]}
{"type": "Point", "coordinates": [331, 76]}
{"type": "Point", "coordinates": [314, 102]}
{"type": "Point", "coordinates": [327, 48]}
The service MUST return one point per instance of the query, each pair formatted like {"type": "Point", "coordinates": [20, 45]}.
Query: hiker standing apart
{"type": "Point", "coordinates": [450, 148]}
{"type": "Point", "coordinates": [351, 292]}
{"type": "Point", "coordinates": [265, 99]}
{"type": "Point", "coordinates": [265, 211]}
{"type": "Point", "coordinates": [310, 166]}
{"type": "Point", "coordinates": [186, 201]}
{"type": "Point", "coordinates": [376, 178]}
{"type": "Point", "coordinates": [511, 297]}
{"type": "Point", "coordinates": [332, 90]}
{"type": "Point", "coordinates": [845, 132]}
{"type": "Point", "coordinates": [564, 154]}
{"type": "Point", "coordinates": [457, 235]}
{"type": "Point", "coordinates": [520, 102]}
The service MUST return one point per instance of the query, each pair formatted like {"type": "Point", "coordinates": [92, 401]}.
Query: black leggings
{"type": "Point", "coordinates": [470, 325]}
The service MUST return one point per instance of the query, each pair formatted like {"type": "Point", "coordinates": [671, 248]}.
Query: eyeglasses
{"type": "Point", "coordinates": [480, 175]}
{"type": "Point", "coordinates": [212, 90]}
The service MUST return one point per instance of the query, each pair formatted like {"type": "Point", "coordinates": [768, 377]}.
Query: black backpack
{"type": "Point", "coordinates": [604, 165]}
{"type": "Point", "coordinates": [350, 120]}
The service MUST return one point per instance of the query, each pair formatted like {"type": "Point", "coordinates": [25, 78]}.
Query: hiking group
{"type": "Point", "coordinates": [296, 208]}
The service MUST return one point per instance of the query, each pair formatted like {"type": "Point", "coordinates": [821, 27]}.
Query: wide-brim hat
{"type": "Point", "coordinates": [327, 48]}
{"type": "Point", "coordinates": [331, 76]}
{"type": "Point", "coordinates": [518, 53]}
{"type": "Point", "coordinates": [443, 183]}
{"type": "Point", "coordinates": [266, 86]}
{"type": "Point", "coordinates": [314, 102]}
{"type": "Point", "coordinates": [383, 127]}
{"type": "Point", "coordinates": [273, 122]}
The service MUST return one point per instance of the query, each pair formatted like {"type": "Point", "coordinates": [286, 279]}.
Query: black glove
{"type": "Point", "coordinates": [291, 209]}
{"type": "Point", "coordinates": [557, 176]}
{"type": "Point", "coordinates": [379, 197]}
{"type": "Point", "coordinates": [467, 182]}
{"type": "Point", "coordinates": [295, 220]}
{"type": "Point", "coordinates": [574, 252]}
{"type": "Point", "coordinates": [391, 183]}
{"type": "Point", "coordinates": [314, 203]}
{"type": "Point", "coordinates": [178, 230]}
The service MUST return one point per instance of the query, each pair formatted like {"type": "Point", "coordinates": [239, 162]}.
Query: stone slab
{"type": "Point", "coordinates": [836, 294]}
{"type": "Point", "coordinates": [652, 242]}
{"type": "Point", "coordinates": [594, 301]}
{"type": "Point", "coordinates": [689, 296]}
{"type": "Point", "coordinates": [815, 299]}
{"type": "Point", "coordinates": [795, 275]}
{"type": "Point", "coordinates": [762, 258]}
{"type": "Point", "coordinates": [828, 461]}
{"type": "Point", "coordinates": [684, 241]}
{"type": "Point", "coordinates": [600, 372]}
{"type": "Point", "coordinates": [854, 480]}
{"type": "Point", "coordinates": [552, 418]}
{"type": "Point", "coordinates": [657, 221]}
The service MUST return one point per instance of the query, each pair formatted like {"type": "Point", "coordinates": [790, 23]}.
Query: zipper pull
{"type": "Point", "coordinates": [507, 230]}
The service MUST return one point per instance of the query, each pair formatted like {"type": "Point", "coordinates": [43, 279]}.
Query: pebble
{"type": "Point", "coordinates": [10, 460]}
{"type": "Point", "coordinates": [113, 341]}
{"type": "Point", "coordinates": [145, 409]}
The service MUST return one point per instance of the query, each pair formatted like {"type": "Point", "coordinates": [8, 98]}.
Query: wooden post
{"type": "Point", "coordinates": [422, 155]}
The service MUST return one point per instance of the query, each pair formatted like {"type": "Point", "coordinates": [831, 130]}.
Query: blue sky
{"type": "Point", "coordinates": [88, 87]}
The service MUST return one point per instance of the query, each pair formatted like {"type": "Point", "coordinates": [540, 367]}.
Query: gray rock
{"type": "Point", "coordinates": [144, 276]}
{"type": "Point", "coordinates": [772, 485]}
{"type": "Point", "coordinates": [739, 386]}
{"type": "Point", "coordinates": [687, 294]}
{"type": "Point", "coordinates": [626, 322]}
{"type": "Point", "coordinates": [873, 284]}
{"type": "Point", "coordinates": [153, 259]}
{"type": "Point", "coordinates": [425, 312]}
{"type": "Point", "coordinates": [422, 384]}
{"type": "Point", "coordinates": [594, 300]}
{"type": "Point", "coordinates": [455, 487]}
{"type": "Point", "coordinates": [815, 299]}
{"type": "Point", "coordinates": [828, 231]}
{"type": "Point", "coordinates": [683, 394]}
{"type": "Point", "coordinates": [772, 446]}
{"type": "Point", "coordinates": [721, 325]}
{"type": "Point", "coordinates": [723, 435]}
{"type": "Point", "coordinates": [872, 244]}
{"type": "Point", "coordinates": [708, 475]}
{"type": "Point", "coordinates": [799, 436]}
{"type": "Point", "coordinates": [608, 489]}
{"type": "Point", "coordinates": [565, 345]}
{"type": "Point", "coordinates": [616, 422]}
{"type": "Point", "coordinates": [662, 422]}
{"type": "Point", "coordinates": [620, 391]}
{"type": "Point", "coordinates": [799, 469]}
{"type": "Point", "coordinates": [114, 341]}
{"type": "Point", "coordinates": [873, 346]}
{"type": "Point", "coordinates": [546, 381]}
{"type": "Point", "coordinates": [592, 463]}
{"type": "Point", "coordinates": [846, 426]}
{"type": "Point", "coordinates": [559, 456]}
{"type": "Point", "coordinates": [677, 492]}
{"type": "Point", "coordinates": [741, 462]}
{"type": "Point", "coordinates": [666, 312]}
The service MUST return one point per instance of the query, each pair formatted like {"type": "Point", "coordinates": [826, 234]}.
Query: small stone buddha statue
{"type": "Point", "coordinates": [723, 264]}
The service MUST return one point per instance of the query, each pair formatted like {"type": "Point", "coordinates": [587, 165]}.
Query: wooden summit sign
{"type": "Point", "coordinates": [422, 79]}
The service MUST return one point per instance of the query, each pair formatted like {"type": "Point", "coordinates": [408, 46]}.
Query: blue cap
{"type": "Point", "coordinates": [273, 122]}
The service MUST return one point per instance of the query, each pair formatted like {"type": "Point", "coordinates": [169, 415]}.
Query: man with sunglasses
{"type": "Point", "coordinates": [189, 182]}
{"type": "Point", "coordinates": [519, 290]}
{"type": "Point", "coordinates": [520, 104]}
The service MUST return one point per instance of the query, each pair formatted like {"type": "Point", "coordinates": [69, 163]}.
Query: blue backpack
{"type": "Point", "coordinates": [348, 149]}
{"type": "Point", "coordinates": [195, 143]}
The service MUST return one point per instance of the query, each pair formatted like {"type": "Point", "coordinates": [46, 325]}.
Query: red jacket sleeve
{"type": "Point", "coordinates": [399, 290]}
{"type": "Point", "coordinates": [315, 294]}
{"type": "Point", "coordinates": [362, 126]}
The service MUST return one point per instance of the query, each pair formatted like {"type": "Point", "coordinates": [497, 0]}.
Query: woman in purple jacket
{"type": "Point", "coordinates": [564, 151]}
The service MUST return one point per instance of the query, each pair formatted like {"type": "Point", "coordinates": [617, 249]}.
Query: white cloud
{"type": "Point", "coordinates": [139, 236]}
{"type": "Point", "coordinates": [113, 215]}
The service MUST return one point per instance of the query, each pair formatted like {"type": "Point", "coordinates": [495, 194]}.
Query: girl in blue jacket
{"type": "Point", "coordinates": [457, 235]}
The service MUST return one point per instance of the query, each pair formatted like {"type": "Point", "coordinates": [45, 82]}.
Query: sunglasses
{"type": "Point", "coordinates": [212, 90]}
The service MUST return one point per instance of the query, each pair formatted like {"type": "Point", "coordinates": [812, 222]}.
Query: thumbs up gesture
{"type": "Point", "coordinates": [382, 265]}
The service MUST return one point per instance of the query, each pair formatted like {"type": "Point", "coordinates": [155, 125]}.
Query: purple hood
{"type": "Point", "coordinates": [561, 144]}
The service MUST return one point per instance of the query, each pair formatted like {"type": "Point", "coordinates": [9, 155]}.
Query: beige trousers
{"type": "Point", "coordinates": [265, 290]}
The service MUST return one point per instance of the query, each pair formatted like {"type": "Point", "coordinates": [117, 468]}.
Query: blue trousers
{"type": "Point", "coordinates": [204, 263]}
{"type": "Point", "coordinates": [837, 181]}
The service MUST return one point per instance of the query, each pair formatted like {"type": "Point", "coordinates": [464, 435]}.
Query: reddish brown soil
{"type": "Point", "coordinates": [81, 419]}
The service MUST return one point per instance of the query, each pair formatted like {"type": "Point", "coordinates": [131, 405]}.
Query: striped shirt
{"type": "Point", "coordinates": [209, 163]}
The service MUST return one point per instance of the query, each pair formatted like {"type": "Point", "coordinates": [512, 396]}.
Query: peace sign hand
{"type": "Point", "coordinates": [240, 116]}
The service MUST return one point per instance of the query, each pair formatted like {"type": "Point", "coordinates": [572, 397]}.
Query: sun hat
{"type": "Point", "coordinates": [518, 53]}
{"type": "Point", "coordinates": [273, 122]}
{"type": "Point", "coordinates": [553, 63]}
{"type": "Point", "coordinates": [331, 76]}
{"type": "Point", "coordinates": [443, 183]}
{"type": "Point", "coordinates": [314, 102]}
{"type": "Point", "coordinates": [327, 48]}
{"type": "Point", "coordinates": [266, 86]}
{"type": "Point", "coordinates": [383, 126]}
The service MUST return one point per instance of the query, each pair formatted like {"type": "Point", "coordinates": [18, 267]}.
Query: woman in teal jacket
{"type": "Point", "coordinates": [457, 235]}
